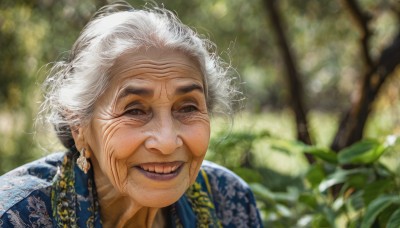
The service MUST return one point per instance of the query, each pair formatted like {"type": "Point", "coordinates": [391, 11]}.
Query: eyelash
{"type": "Point", "coordinates": [140, 112]}
{"type": "Point", "coordinates": [188, 109]}
{"type": "Point", "coordinates": [135, 112]}
{"type": "Point", "coordinates": [184, 109]}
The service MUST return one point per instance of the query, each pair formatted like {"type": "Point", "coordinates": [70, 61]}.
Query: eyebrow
{"type": "Point", "coordinates": [135, 91]}
{"type": "Point", "coordinates": [189, 88]}
{"type": "Point", "coordinates": [148, 93]}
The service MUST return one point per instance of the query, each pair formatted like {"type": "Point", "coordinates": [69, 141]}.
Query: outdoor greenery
{"type": "Point", "coordinates": [293, 193]}
{"type": "Point", "coordinates": [344, 59]}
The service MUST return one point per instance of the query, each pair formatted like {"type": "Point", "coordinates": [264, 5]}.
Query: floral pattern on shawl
{"type": "Point", "coordinates": [26, 195]}
{"type": "Point", "coordinates": [233, 199]}
{"type": "Point", "coordinates": [37, 212]}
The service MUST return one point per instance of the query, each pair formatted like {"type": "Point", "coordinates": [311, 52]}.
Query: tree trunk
{"type": "Point", "coordinates": [353, 122]}
{"type": "Point", "coordinates": [292, 75]}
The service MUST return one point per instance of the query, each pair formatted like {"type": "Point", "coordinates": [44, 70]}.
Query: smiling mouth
{"type": "Point", "coordinates": [160, 168]}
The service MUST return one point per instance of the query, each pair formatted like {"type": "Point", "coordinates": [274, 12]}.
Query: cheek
{"type": "Point", "coordinates": [125, 141]}
{"type": "Point", "coordinates": [197, 138]}
{"type": "Point", "coordinates": [113, 145]}
{"type": "Point", "coordinates": [120, 140]}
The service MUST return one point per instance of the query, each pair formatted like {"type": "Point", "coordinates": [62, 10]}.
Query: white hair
{"type": "Point", "coordinates": [73, 86]}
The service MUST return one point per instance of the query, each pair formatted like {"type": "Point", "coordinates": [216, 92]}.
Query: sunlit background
{"type": "Point", "coordinates": [321, 34]}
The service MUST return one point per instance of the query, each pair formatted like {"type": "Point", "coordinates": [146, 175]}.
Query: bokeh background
{"type": "Point", "coordinates": [323, 73]}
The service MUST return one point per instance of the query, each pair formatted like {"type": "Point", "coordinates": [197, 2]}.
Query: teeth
{"type": "Point", "coordinates": [151, 168]}
{"type": "Point", "coordinates": [162, 169]}
{"type": "Point", "coordinates": [159, 169]}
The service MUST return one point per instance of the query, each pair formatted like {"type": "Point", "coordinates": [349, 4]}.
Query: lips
{"type": "Point", "coordinates": [161, 168]}
{"type": "Point", "coordinates": [163, 171]}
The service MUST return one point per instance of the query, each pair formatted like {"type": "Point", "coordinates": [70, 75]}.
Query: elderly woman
{"type": "Point", "coordinates": [132, 105]}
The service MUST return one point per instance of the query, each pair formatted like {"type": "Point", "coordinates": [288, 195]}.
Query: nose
{"type": "Point", "coordinates": [164, 137]}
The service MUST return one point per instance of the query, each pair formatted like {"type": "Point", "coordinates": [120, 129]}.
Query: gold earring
{"type": "Point", "coordinates": [82, 162]}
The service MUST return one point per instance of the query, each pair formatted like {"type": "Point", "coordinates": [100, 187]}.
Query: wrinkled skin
{"type": "Point", "coordinates": [151, 119]}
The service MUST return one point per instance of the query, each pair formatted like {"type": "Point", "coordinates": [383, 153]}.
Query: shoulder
{"type": "Point", "coordinates": [234, 201]}
{"type": "Point", "coordinates": [223, 175]}
{"type": "Point", "coordinates": [27, 188]}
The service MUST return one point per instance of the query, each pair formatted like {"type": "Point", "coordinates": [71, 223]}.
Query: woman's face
{"type": "Point", "coordinates": [150, 129]}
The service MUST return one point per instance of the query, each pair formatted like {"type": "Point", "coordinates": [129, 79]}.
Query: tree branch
{"type": "Point", "coordinates": [352, 125]}
{"type": "Point", "coordinates": [361, 20]}
{"type": "Point", "coordinates": [292, 76]}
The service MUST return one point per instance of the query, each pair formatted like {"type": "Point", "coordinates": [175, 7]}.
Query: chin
{"type": "Point", "coordinates": [155, 196]}
{"type": "Point", "coordinates": [160, 200]}
{"type": "Point", "coordinates": [150, 190]}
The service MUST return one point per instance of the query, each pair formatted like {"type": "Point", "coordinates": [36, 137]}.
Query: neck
{"type": "Point", "coordinates": [118, 210]}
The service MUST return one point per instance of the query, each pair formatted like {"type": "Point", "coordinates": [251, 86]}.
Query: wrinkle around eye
{"type": "Point", "coordinates": [188, 109]}
{"type": "Point", "coordinates": [189, 117]}
{"type": "Point", "coordinates": [110, 129]}
{"type": "Point", "coordinates": [136, 118]}
{"type": "Point", "coordinates": [135, 112]}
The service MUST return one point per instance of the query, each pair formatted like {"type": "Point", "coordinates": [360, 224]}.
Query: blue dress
{"type": "Point", "coordinates": [54, 192]}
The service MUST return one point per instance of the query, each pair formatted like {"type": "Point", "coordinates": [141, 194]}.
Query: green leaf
{"type": "Point", "coordinates": [384, 216]}
{"type": "Point", "coordinates": [286, 146]}
{"type": "Point", "coordinates": [383, 171]}
{"type": "Point", "coordinates": [249, 175]}
{"type": "Point", "coordinates": [328, 217]}
{"type": "Point", "coordinates": [352, 223]}
{"type": "Point", "coordinates": [394, 220]}
{"type": "Point", "coordinates": [283, 211]}
{"type": "Point", "coordinates": [325, 154]}
{"type": "Point", "coordinates": [309, 199]}
{"type": "Point", "coordinates": [315, 175]}
{"type": "Point", "coordinates": [376, 207]}
{"type": "Point", "coordinates": [363, 152]}
{"type": "Point", "coordinates": [336, 178]}
{"type": "Point", "coordinates": [320, 220]}
{"type": "Point", "coordinates": [358, 180]}
{"type": "Point", "coordinates": [263, 193]}
{"type": "Point", "coordinates": [355, 202]}
{"type": "Point", "coordinates": [340, 176]}
{"type": "Point", "coordinates": [376, 188]}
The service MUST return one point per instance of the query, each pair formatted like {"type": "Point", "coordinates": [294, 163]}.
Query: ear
{"type": "Point", "coordinates": [77, 134]}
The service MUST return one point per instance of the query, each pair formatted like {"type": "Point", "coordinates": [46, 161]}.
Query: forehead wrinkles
{"type": "Point", "coordinates": [146, 68]}
{"type": "Point", "coordinates": [161, 87]}
{"type": "Point", "coordinates": [160, 69]}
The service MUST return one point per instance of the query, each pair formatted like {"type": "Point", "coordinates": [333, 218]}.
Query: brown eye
{"type": "Point", "coordinates": [135, 112]}
{"type": "Point", "coordinates": [188, 109]}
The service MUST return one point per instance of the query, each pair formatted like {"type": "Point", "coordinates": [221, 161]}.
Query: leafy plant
{"type": "Point", "coordinates": [369, 191]}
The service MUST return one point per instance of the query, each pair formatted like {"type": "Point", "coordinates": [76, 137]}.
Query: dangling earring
{"type": "Point", "coordinates": [82, 162]}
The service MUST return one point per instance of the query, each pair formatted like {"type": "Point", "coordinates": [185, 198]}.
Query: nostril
{"type": "Point", "coordinates": [179, 142]}
{"type": "Point", "coordinates": [164, 145]}
{"type": "Point", "coordinates": [164, 134]}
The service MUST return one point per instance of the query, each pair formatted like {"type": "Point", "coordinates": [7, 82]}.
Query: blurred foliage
{"type": "Point", "coordinates": [368, 196]}
{"type": "Point", "coordinates": [36, 32]}
{"type": "Point", "coordinates": [32, 34]}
